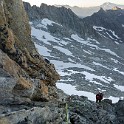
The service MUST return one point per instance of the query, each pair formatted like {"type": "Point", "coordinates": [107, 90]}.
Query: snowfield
{"type": "Point", "coordinates": [88, 65]}
{"type": "Point", "coordinates": [71, 90]}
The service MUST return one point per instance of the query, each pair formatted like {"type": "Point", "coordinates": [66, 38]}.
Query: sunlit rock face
{"type": "Point", "coordinates": [28, 73]}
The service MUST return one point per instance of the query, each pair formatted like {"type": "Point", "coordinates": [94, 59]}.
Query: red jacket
{"type": "Point", "coordinates": [99, 96]}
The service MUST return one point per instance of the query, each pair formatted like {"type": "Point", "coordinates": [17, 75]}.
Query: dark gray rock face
{"type": "Point", "coordinates": [120, 112]}
{"type": "Point", "coordinates": [34, 115]}
{"type": "Point", "coordinates": [109, 19]}
{"type": "Point", "coordinates": [83, 111]}
{"type": "Point", "coordinates": [79, 110]}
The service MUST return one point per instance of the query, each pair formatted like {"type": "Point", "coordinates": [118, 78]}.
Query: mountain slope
{"type": "Point", "coordinates": [63, 16]}
{"type": "Point", "coordinates": [87, 63]}
{"type": "Point", "coordinates": [108, 23]}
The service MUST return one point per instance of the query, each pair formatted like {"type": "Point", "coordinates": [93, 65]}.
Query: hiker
{"type": "Point", "coordinates": [99, 97]}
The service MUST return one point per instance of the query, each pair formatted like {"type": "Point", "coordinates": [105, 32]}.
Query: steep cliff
{"type": "Point", "coordinates": [26, 73]}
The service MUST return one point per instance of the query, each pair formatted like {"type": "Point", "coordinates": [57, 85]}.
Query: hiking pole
{"type": "Point", "coordinates": [66, 107]}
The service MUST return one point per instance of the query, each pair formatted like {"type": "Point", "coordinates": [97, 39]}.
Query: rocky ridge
{"type": "Point", "coordinates": [109, 19]}
{"type": "Point", "coordinates": [25, 76]}
{"type": "Point", "coordinates": [30, 75]}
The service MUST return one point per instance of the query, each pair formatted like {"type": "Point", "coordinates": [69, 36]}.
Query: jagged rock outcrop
{"type": "Point", "coordinates": [34, 115]}
{"type": "Point", "coordinates": [109, 19]}
{"type": "Point", "coordinates": [80, 111]}
{"type": "Point", "coordinates": [83, 111]}
{"type": "Point", "coordinates": [61, 15]}
{"type": "Point", "coordinates": [28, 73]}
{"type": "Point", "coordinates": [25, 76]}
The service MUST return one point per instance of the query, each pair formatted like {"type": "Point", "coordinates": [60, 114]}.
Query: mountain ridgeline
{"type": "Point", "coordinates": [61, 15]}
{"type": "Point", "coordinates": [109, 19]}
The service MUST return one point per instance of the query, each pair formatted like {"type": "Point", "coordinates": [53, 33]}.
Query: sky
{"type": "Point", "coordinates": [80, 3]}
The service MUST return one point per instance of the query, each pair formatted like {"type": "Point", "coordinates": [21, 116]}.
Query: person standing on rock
{"type": "Point", "coordinates": [99, 97]}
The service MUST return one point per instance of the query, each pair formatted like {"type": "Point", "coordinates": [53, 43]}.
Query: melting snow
{"type": "Point", "coordinates": [30, 23]}
{"type": "Point", "coordinates": [90, 77]}
{"type": "Point", "coordinates": [100, 29]}
{"type": "Point", "coordinates": [41, 26]}
{"type": "Point", "coordinates": [71, 90]}
{"type": "Point", "coordinates": [119, 87]}
{"type": "Point", "coordinates": [109, 51]}
{"type": "Point", "coordinates": [63, 50]}
{"type": "Point", "coordinates": [95, 63]}
{"type": "Point", "coordinates": [46, 22]}
{"type": "Point", "coordinates": [78, 39]}
{"type": "Point", "coordinates": [116, 61]}
{"type": "Point", "coordinates": [115, 69]}
{"type": "Point", "coordinates": [45, 36]}
{"type": "Point", "coordinates": [42, 50]}
{"type": "Point", "coordinates": [93, 40]}
{"type": "Point", "coordinates": [60, 65]}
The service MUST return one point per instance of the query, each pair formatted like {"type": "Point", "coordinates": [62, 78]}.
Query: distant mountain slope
{"type": "Point", "coordinates": [111, 20]}
{"type": "Point", "coordinates": [88, 11]}
{"type": "Point", "coordinates": [61, 15]}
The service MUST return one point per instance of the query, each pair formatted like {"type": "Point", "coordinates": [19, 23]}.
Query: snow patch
{"type": "Point", "coordinates": [63, 50]}
{"type": "Point", "coordinates": [115, 69]}
{"type": "Point", "coordinates": [111, 52]}
{"type": "Point", "coordinates": [100, 29]}
{"type": "Point", "coordinates": [71, 90]}
{"type": "Point", "coordinates": [46, 22]}
{"type": "Point", "coordinates": [42, 50]}
{"type": "Point", "coordinates": [119, 87]}
{"type": "Point", "coordinates": [60, 65]}
{"type": "Point", "coordinates": [115, 61]}
{"type": "Point", "coordinates": [45, 36]}
{"type": "Point", "coordinates": [95, 63]}
{"type": "Point", "coordinates": [30, 23]}
{"type": "Point", "coordinates": [90, 77]}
